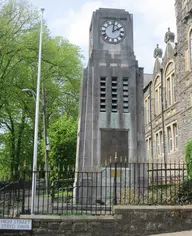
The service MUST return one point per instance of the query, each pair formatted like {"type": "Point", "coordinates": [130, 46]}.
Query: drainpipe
{"type": "Point", "coordinates": [151, 124]}
{"type": "Point", "coordinates": [163, 124]}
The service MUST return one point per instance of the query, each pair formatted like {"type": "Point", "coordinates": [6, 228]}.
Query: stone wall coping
{"type": "Point", "coordinates": [118, 209]}
{"type": "Point", "coordinates": [68, 218]}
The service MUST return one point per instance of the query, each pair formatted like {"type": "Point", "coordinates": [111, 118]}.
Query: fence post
{"type": "Point", "coordinates": [115, 180]}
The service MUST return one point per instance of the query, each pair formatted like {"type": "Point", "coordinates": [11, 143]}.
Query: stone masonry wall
{"type": "Point", "coordinates": [127, 221]}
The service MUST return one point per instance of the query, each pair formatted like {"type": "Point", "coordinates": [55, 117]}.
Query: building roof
{"type": "Point", "coordinates": [147, 79]}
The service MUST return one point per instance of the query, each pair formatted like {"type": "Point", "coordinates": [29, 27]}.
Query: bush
{"type": "Point", "coordinates": [130, 197]}
{"type": "Point", "coordinates": [161, 195]}
{"type": "Point", "coordinates": [185, 192]}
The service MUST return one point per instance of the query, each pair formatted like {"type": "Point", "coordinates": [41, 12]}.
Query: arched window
{"type": "Point", "coordinates": [157, 96]}
{"type": "Point", "coordinates": [147, 110]}
{"type": "Point", "coordinates": [170, 84]}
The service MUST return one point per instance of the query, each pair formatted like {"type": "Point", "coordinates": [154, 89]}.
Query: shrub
{"type": "Point", "coordinates": [152, 196]}
{"type": "Point", "coordinates": [185, 192]}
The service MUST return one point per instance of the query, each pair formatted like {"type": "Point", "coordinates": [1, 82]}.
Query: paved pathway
{"type": "Point", "coordinates": [184, 233]}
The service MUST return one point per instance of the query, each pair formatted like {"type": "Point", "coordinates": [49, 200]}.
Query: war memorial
{"type": "Point", "coordinates": [111, 116]}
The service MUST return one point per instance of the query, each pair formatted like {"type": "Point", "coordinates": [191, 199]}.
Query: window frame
{"type": "Point", "coordinates": [190, 48]}
{"type": "Point", "coordinates": [175, 135]}
{"type": "Point", "coordinates": [173, 87]}
{"type": "Point", "coordinates": [147, 115]}
{"type": "Point", "coordinates": [159, 142]}
{"type": "Point", "coordinates": [170, 83]}
{"type": "Point", "coordinates": [172, 137]}
{"type": "Point", "coordinates": [145, 112]}
{"type": "Point", "coordinates": [169, 139]}
{"type": "Point", "coordinates": [149, 147]}
{"type": "Point", "coordinates": [157, 89]}
{"type": "Point", "coordinates": [169, 103]}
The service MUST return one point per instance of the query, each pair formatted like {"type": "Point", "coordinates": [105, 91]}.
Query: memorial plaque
{"type": "Point", "coordinates": [118, 173]}
{"type": "Point", "coordinates": [113, 141]}
{"type": "Point", "coordinates": [15, 224]}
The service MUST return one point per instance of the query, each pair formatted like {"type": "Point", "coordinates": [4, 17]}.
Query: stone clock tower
{"type": "Point", "coordinates": [111, 115]}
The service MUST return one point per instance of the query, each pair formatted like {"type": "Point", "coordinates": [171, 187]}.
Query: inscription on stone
{"type": "Point", "coordinates": [15, 224]}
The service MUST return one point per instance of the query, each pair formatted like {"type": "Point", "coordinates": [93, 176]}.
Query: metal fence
{"type": "Point", "coordinates": [66, 192]}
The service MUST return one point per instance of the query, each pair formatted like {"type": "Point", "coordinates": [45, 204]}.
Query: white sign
{"type": "Point", "coordinates": [15, 224]}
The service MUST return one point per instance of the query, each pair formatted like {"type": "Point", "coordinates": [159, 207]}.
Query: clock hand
{"type": "Point", "coordinates": [117, 29]}
{"type": "Point", "coordinates": [113, 26]}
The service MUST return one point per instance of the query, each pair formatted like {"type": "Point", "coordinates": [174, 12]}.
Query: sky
{"type": "Point", "coordinates": [71, 19]}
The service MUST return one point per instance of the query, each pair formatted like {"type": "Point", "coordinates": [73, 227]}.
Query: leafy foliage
{"type": "Point", "coordinates": [63, 141]}
{"type": "Point", "coordinates": [188, 158]}
{"type": "Point", "coordinates": [60, 74]}
{"type": "Point", "coordinates": [185, 192]}
{"type": "Point", "coordinates": [63, 135]}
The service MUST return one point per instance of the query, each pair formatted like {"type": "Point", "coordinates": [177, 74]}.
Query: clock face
{"type": "Point", "coordinates": [112, 31]}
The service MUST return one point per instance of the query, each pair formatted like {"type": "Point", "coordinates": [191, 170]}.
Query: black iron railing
{"type": "Point", "coordinates": [95, 192]}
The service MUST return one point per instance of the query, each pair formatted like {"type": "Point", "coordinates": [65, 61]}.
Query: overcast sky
{"type": "Point", "coordinates": [71, 19]}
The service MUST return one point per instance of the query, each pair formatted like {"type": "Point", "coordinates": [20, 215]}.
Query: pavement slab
{"type": "Point", "coordinates": [183, 233]}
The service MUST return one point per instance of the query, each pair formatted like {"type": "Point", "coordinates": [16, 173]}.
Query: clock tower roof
{"type": "Point", "coordinates": [111, 9]}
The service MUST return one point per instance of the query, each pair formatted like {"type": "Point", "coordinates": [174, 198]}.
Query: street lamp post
{"type": "Point", "coordinates": [36, 120]}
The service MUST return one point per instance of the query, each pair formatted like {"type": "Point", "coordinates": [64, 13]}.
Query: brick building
{"type": "Point", "coordinates": [168, 95]}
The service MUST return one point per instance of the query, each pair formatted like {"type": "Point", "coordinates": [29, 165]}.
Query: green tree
{"type": "Point", "coordinates": [61, 74]}
{"type": "Point", "coordinates": [188, 158]}
{"type": "Point", "coordinates": [63, 136]}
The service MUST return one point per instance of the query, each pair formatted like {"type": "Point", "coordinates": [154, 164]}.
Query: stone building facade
{"type": "Point", "coordinates": [168, 96]}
